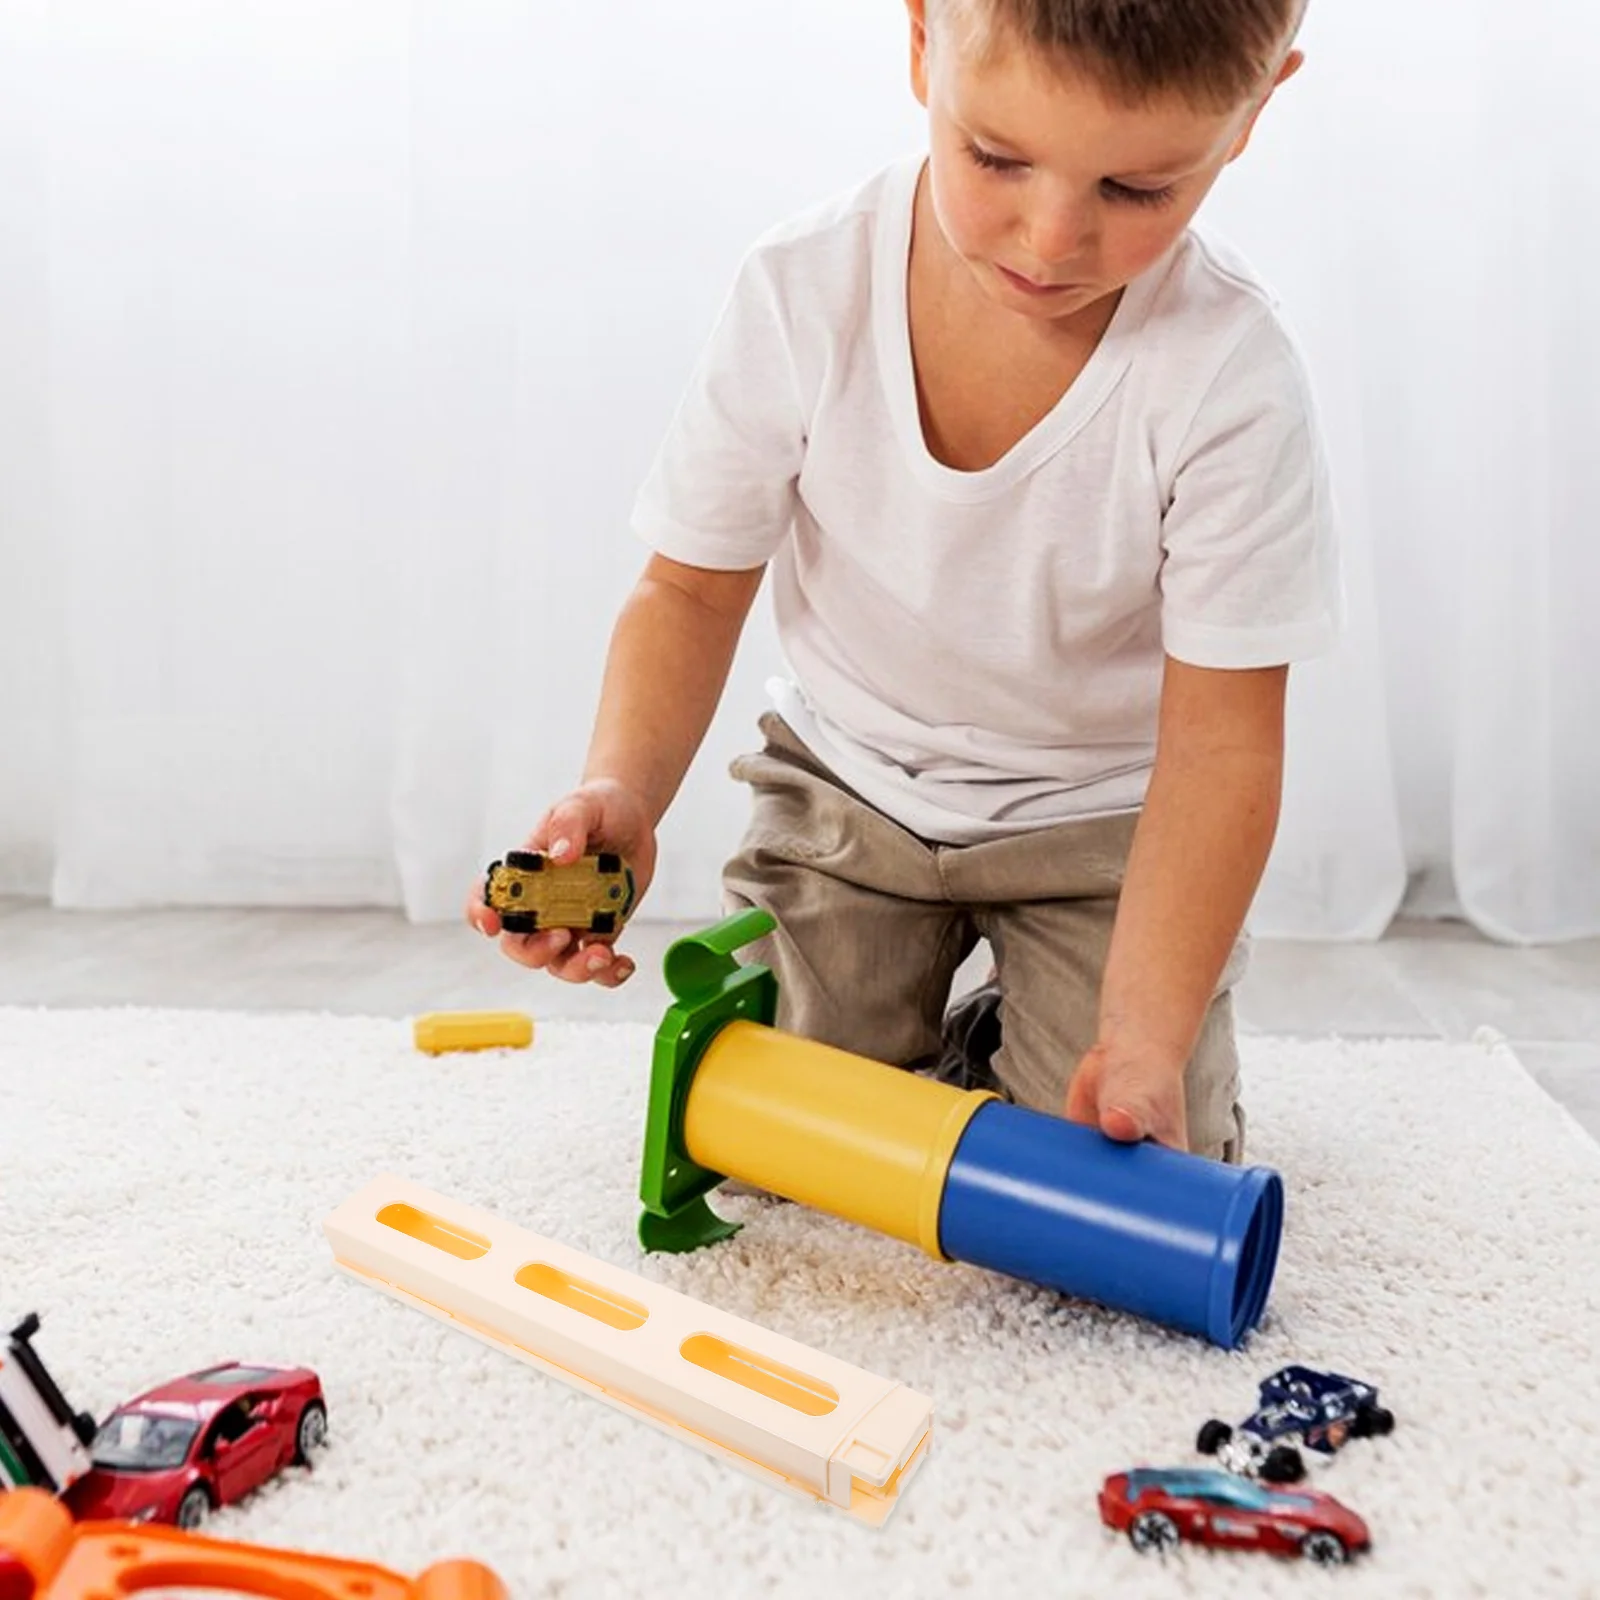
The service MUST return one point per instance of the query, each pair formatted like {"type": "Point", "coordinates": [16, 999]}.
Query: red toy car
{"type": "Point", "coordinates": [1157, 1508]}
{"type": "Point", "coordinates": [199, 1442]}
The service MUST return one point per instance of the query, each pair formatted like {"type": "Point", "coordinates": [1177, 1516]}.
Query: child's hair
{"type": "Point", "coordinates": [1217, 54]}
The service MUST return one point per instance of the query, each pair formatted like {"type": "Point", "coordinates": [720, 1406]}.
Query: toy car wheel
{"type": "Point", "coordinates": [193, 1508]}
{"type": "Point", "coordinates": [1153, 1531]}
{"type": "Point", "coordinates": [525, 860]}
{"type": "Point", "coordinates": [312, 1432]}
{"type": "Point", "coordinates": [519, 921]}
{"type": "Point", "coordinates": [1373, 1420]}
{"type": "Point", "coordinates": [1326, 1549]}
{"type": "Point", "coordinates": [1283, 1465]}
{"type": "Point", "coordinates": [1213, 1435]}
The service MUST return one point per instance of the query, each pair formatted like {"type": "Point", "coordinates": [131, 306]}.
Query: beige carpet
{"type": "Point", "coordinates": [163, 1176]}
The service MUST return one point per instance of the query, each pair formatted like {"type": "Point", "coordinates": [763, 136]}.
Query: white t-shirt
{"type": "Point", "coordinates": [980, 653]}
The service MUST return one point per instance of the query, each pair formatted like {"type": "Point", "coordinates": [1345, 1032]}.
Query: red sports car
{"type": "Point", "coordinates": [199, 1442]}
{"type": "Point", "coordinates": [1158, 1508]}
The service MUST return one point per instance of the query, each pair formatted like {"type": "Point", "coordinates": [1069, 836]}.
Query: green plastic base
{"type": "Point", "coordinates": [691, 1228]}
{"type": "Point", "coordinates": [710, 989]}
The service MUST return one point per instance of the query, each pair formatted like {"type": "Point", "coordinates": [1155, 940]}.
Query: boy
{"type": "Point", "coordinates": [1037, 476]}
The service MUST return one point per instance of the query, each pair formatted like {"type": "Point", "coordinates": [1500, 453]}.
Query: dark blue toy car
{"type": "Point", "coordinates": [1298, 1407]}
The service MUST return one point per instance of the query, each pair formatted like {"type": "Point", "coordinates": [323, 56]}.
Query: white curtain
{"type": "Point", "coordinates": [334, 337]}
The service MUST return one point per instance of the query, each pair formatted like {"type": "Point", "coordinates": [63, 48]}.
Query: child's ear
{"type": "Point", "coordinates": [1292, 63]}
{"type": "Point", "coordinates": [917, 10]}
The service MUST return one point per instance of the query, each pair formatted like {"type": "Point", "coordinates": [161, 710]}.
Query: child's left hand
{"type": "Point", "coordinates": [1129, 1095]}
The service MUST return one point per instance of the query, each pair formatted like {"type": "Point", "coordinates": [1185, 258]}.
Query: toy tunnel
{"type": "Point", "coordinates": [1180, 1240]}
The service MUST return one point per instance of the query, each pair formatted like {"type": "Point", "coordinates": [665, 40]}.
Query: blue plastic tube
{"type": "Point", "coordinates": [1181, 1240]}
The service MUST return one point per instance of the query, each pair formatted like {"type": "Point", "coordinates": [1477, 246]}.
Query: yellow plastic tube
{"type": "Point", "coordinates": [440, 1031]}
{"type": "Point", "coordinates": [827, 1129]}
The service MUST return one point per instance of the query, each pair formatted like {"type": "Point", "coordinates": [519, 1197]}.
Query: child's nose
{"type": "Point", "coordinates": [1058, 233]}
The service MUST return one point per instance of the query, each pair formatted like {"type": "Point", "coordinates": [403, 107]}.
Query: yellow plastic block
{"type": "Point", "coordinates": [833, 1131]}
{"type": "Point", "coordinates": [44, 1557]}
{"type": "Point", "coordinates": [439, 1031]}
{"type": "Point", "coordinates": [783, 1411]}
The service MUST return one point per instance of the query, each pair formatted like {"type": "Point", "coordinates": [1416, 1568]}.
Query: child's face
{"type": "Point", "coordinates": [1054, 193]}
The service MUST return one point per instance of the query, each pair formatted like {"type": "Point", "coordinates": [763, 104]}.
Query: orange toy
{"type": "Point", "coordinates": [44, 1556]}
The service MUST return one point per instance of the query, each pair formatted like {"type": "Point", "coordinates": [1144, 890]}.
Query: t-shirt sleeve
{"type": "Point", "coordinates": [1250, 569]}
{"type": "Point", "coordinates": [721, 492]}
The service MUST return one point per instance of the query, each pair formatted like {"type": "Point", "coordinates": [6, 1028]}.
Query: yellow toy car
{"type": "Point", "coordinates": [533, 893]}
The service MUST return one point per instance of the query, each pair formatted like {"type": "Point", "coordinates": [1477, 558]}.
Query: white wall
{"type": "Point", "coordinates": [335, 336]}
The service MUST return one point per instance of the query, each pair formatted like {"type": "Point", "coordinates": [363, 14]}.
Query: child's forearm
{"type": "Point", "coordinates": [668, 662]}
{"type": "Point", "coordinates": [1198, 855]}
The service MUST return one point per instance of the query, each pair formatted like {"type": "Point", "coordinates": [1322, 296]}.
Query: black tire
{"type": "Point", "coordinates": [1372, 1421]}
{"type": "Point", "coordinates": [525, 860]}
{"type": "Point", "coordinates": [519, 921]}
{"type": "Point", "coordinates": [1283, 1465]}
{"type": "Point", "coordinates": [194, 1508]}
{"type": "Point", "coordinates": [1153, 1532]}
{"type": "Point", "coordinates": [1324, 1548]}
{"type": "Point", "coordinates": [310, 1432]}
{"type": "Point", "coordinates": [1213, 1435]}
{"type": "Point", "coordinates": [608, 861]}
{"type": "Point", "coordinates": [603, 922]}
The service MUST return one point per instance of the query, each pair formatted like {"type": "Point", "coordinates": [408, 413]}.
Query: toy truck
{"type": "Point", "coordinates": [44, 1444]}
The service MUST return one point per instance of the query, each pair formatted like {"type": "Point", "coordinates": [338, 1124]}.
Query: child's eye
{"type": "Point", "coordinates": [1126, 195]}
{"type": "Point", "coordinates": [990, 161]}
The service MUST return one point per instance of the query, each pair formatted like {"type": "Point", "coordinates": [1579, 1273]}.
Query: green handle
{"type": "Point", "coordinates": [697, 965]}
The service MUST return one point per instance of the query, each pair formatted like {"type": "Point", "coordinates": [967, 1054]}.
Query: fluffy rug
{"type": "Point", "coordinates": [163, 1177]}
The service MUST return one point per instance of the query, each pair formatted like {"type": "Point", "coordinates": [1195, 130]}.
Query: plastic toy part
{"type": "Point", "coordinates": [532, 893]}
{"type": "Point", "coordinates": [711, 989]}
{"type": "Point", "coordinates": [440, 1031]}
{"type": "Point", "coordinates": [1160, 1508]}
{"type": "Point", "coordinates": [1186, 1242]}
{"type": "Point", "coordinates": [44, 1557]}
{"type": "Point", "coordinates": [43, 1442]}
{"type": "Point", "coordinates": [790, 1414]}
{"type": "Point", "coordinates": [878, 1156]}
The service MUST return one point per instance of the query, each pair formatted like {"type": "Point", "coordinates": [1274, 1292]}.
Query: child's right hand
{"type": "Point", "coordinates": [602, 815]}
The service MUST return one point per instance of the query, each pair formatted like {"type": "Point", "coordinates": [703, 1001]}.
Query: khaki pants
{"type": "Point", "coordinates": [873, 923]}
